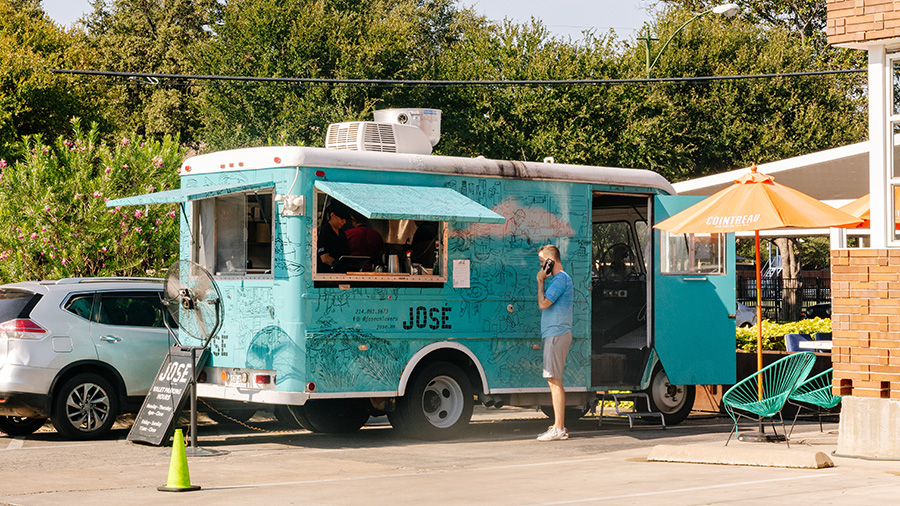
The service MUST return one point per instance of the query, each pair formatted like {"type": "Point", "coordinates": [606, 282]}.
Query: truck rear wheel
{"type": "Point", "coordinates": [292, 417]}
{"type": "Point", "coordinates": [673, 401]}
{"type": "Point", "coordinates": [437, 405]}
{"type": "Point", "coordinates": [335, 416]}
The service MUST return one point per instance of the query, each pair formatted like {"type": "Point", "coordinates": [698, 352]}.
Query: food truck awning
{"type": "Point", "coordinates": [183, 195]}
{"type": "Point", "coordinates": [396, 202]}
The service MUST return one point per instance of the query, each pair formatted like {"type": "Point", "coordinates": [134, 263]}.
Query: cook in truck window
{"type": "Point", "coordinates": [332, 240]}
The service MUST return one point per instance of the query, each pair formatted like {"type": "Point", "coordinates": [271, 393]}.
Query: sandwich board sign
{"type": "Point", "coordinates": [166, 397]}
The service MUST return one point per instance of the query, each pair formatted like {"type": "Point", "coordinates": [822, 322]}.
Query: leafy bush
{"type": "Point", "coordinates": [53, 218]}
{"type": "Point", "coordinates": [773, 333]}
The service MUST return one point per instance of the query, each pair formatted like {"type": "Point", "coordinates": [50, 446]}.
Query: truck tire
{"type": "Point", "coordinates": [291, 417]}
{"type": "Point", "coordinates": [336, 416]}
{"type": "Point", "coordinates": [438, 403]}
{"type": "Point", "coordinates": [673, 401]}
{"type": "Point", "coordinates": [85, 407]}
{"type": "Point", "coordinates": [571, 413]}
{"type": "Point", "coordinates": [20, 426]}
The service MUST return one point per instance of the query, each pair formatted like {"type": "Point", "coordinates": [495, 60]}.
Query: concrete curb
{"type": "Point", "coordinates": [737, 456]}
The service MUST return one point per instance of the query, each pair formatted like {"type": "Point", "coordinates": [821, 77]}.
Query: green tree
{"type": "Point", "coordinates": [685, 130]}
{"type": "Point", "coordinates": [804, 17]}
{"type": "Point", "coordinates": [32, 100]}
{"type": "Point", "coordinates": [395, 39]}
{"type": "Point", "coordinates": [150, 36]}
{"type": "Point", "coordinates": [573, 124]}
{"type": "Point", "coordinates": [56, 223]}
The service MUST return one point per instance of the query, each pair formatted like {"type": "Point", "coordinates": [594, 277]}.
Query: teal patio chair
{"type": "Point", "coordinates": [778, 381]}
{"type": "Point", "coordinates": [815, 392]}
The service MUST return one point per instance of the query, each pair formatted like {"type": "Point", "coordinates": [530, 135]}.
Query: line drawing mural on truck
{"type": "Point", "coordinates": [445, 316]}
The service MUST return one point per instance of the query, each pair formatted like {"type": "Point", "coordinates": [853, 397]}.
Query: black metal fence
{"type": "Point", "coordinates": [808, 291]}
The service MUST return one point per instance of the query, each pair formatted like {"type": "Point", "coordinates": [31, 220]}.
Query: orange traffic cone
{"type": "Point", "coordinates": [179, 478]}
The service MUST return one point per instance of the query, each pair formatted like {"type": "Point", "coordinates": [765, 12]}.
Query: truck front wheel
{"type": "Point", "coordinates": [673, 401]}
{"type": "Point", "coordinates": [437, 405]}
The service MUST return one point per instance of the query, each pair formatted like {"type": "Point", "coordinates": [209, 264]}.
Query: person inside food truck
{"type": "Point", "coordinates": [365, 241]}
{"type": "Point", "coordinates": [332, 240]}
{"type": "Point", "coordinates": [424, 243]}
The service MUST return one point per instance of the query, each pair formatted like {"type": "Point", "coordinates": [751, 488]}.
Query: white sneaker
{"type": "Point", "coordinates": [554, 434]}
{"type": "Point", "coordinates": [550, 430]}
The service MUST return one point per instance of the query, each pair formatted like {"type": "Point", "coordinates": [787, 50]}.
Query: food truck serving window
{"type": "Point", "coordinates": [231, 224]}
{"type": "Point", "coordinates": [234, 233]}
{"type": "Point", "coordinates": [692, 253]}
{"type": "Point", "coordinates": [387, 233]}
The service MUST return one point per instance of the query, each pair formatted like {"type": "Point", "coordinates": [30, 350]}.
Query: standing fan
{"type": "Point", "coordinates": [194, 301]}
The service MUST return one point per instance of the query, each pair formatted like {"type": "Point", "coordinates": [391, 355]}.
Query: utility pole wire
{"type": "Point", "coordinates": [152, 79]}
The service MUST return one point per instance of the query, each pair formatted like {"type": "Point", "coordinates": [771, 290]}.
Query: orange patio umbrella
{"type": "Point", "coordinates": [755, 202]}
{"type": "Point", "coordinates": [862, 207]}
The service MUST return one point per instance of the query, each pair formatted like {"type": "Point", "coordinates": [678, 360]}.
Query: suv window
{"type": "Point", "coordinates": [14, 303]}
{"type": "Point", "coordinates": [80, 305]}
{"type": "Point", "coordinates": [134, 309]}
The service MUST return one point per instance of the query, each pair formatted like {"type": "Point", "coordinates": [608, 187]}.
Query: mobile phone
{"type": "Point", "coordinates": [548, 266]}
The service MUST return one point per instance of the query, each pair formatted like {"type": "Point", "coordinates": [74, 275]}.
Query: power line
{"type": "Point", "coordinates": [152, 79]}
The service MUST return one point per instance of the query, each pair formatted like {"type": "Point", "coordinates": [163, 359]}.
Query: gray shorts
{"type": "Point", "coordinates": [556, 349]}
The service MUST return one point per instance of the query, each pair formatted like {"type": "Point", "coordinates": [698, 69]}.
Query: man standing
{"type": "Point", "coordinates": [556, 299]}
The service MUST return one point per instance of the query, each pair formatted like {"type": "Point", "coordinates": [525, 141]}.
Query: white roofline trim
{"type": "Point", "coordinates": [294, 156]}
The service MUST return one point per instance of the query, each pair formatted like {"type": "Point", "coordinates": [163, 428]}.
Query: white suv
{"type": "Point", "coordinates": [79, 351]}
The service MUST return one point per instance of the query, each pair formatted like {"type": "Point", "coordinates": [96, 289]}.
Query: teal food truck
{"type": "Point", "coordinates": [444, 315]}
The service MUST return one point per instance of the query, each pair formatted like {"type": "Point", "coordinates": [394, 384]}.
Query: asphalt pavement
{"type": "Point", "coordinates": [497, 461]}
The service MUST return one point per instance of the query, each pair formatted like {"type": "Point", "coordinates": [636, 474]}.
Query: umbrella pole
{"type": "Point", "coordinates": [759, 436]}
{"type": "Point", "coordinates": [759, 357]}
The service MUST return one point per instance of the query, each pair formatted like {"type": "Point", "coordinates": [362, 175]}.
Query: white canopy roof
{"type": "Point", "coordinates": [840, 174]}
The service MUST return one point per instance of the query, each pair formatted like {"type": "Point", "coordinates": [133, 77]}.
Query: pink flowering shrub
{"type": "Point", "coordinates": [53, 217]}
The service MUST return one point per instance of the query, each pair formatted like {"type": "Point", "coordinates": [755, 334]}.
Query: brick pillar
{"type": "Point", "coordinates": [859, 21]}
{"type": "Point", "coordinates": [865, 293]}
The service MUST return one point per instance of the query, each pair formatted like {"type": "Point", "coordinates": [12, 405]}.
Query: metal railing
{"type": "Point", "coordinates": [807, 290]}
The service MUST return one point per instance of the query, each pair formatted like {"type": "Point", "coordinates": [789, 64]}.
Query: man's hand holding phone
{"type": "Point", "coordinates": [546, 269]}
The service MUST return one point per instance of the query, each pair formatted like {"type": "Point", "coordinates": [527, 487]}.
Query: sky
{"type": "Point", "coordinates": [561, 17]}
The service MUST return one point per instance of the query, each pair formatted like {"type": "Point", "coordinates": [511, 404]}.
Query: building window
{"type": "Point", "coordinates": [895, 208]}
{"type": "Point", "coordinates": [893, 154]}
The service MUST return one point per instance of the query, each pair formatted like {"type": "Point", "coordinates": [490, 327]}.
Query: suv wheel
{"type": "Point", "coordinates": [85, 407]}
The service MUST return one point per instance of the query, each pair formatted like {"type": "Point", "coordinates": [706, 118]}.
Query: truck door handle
{"type": "Point", "coordinates": [111, 339]}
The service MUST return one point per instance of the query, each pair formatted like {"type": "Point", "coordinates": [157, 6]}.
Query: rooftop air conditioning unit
{"type": "Point", "coordinates": [412, 131]}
